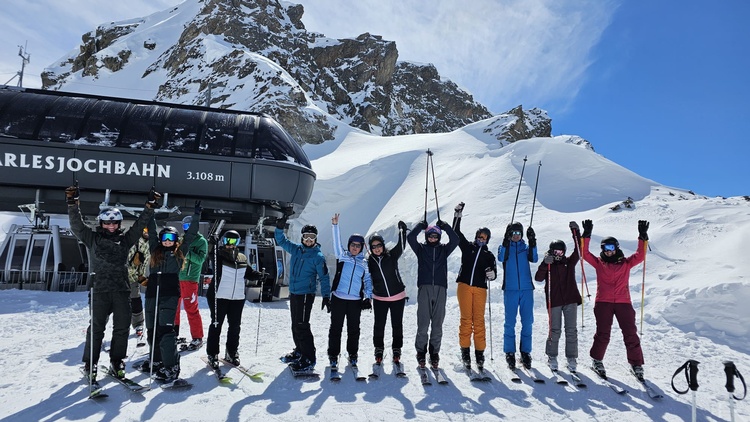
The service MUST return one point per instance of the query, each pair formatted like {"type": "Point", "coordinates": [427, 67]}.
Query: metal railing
{"type": "Point", "coordinates": [59, 281]}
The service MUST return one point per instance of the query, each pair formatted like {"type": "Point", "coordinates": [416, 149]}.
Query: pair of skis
{"type": "Point", "coordinates": [377, 370]}
{"type": "Point", "coordinates": [336, 375]}
{"type": "Point", "coordinates": [437, 373]}
{"type": "Point", "coordinates": [650, 390]}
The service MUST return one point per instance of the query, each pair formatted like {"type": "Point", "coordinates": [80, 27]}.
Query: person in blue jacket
{"type": "Point", "coordinates": [307, 269]}
{"type": "Point", "coordinates": [351, 292]}
{"type": "Point", "coordinates": [432, 286]}
{"type": "Point", "coordinates": [518, 290]}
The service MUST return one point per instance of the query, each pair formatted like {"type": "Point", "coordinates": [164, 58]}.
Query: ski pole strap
{"type": "Point", "coordinates": [731, 371]}
{"type": "Point", "coordinates": [691, 376]}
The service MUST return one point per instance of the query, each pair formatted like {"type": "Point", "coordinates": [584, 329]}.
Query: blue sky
{"type": "Point", "coordinates": [660, 87]}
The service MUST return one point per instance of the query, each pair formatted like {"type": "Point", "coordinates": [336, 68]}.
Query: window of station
{"type": "Point", "coordinates": [22, 116]}
{"type": "Point", "coordinates": [104, 123]}
{"type": "Point", "coordinates": [64, 119]}
{"type": "Point", "coordinates": [274, 143]}
{"type": "Point", "coordinates": [182, 130]}
{"type": "Point", "coordinates": [243, 146]}
{"type": "Point", "coordinates": [218, 135]}
{"type": "Point", "coordinates": [144, 127]}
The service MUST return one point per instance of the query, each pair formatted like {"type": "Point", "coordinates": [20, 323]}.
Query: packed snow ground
{"type": "Point", "coordinates": [695, 295]}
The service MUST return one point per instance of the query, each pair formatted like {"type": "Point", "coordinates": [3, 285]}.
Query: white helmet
{"type": "Point", "coordinates": [110, 214]}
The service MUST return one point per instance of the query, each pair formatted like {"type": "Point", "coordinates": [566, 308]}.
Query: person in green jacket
{"type": "Point", "coordinates": [189, 278]}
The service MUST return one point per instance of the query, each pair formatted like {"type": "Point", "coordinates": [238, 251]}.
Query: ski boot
{"type": "Point", "coordinates": [598, 367]}
{"type": "Point", "coordinates": [421, 359]}
{"type": "Point", "coordinates": [572, 365]}
{"type": "Point", "coordinates": [638, 372]}
{"type": "Point", "coordinates": [117, 367]}
{"type": "Point", "coordinates": [379, 355]}
{"type": "Point", "coordinates": [479, 355]}
{"type": "Point", "coordinates": [466, 357]}
{"type": "Point", "coordinates": [434, 360]}
{"type": "Point", "coordinates": [510, 359]}
{"type": "Point", "coordinates": [291, 357]}
{"type": "Point", "coordinates": [232, 357]}
{"type": "Point", "coordinates": [552, 363]}
{"type": "Point", "coordinates": [526, 360]}
{"type": "Point", "coordinates": [302, 365]}
{"type": "Point", "coordinates": [353, 360]}
{"type": "Point", "coordinates": [195, 344]}
{"type": "Point", "coordinates": [88, 372]}
{"type": "Point", "coordinates": [213, 361]}
{"type": "Point", "coordinates": [396, 355]}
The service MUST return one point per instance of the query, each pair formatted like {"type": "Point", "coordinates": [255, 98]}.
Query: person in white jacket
{"type": "Point", "coordinates": [227, 294]}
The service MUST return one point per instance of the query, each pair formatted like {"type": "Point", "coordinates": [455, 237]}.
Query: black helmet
{"type": "Point", "coordinates": [309, 228]}
{"type": "Point", "coordinates": [374, 237]}
{"type": "Point", "coordinates": [558, 245]}
{"type": "Point", "coordinates": [516, 227]}
{"type": "Point", "coordinates": [356, 237]}
{"type": "Point", "coordinates": [231, 237]}
{"type": "Point", "coordinates": [484, 230]}
{"type": "Point", "coordinates": [609, 240]}
{"type": "Point", "coordinates": [168, 230]}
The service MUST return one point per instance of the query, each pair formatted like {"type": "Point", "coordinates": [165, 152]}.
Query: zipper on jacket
{"type": "Point", "coordinates": [385, 282]}
{"type": "Point", "coordinates": [476, 259]}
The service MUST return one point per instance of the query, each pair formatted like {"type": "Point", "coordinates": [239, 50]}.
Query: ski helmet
{"type": "Point", "coordinates": [356, 238]}
{"type": "Point", "coordinates": [374, 237]}
{"type": "Point", "coordinates": [486, 232]}
{"type": "Point", "coordinates": [516, 227]}
{"type": "Point", "coordinates": [609, 240]}
{"type": "Point", "coordinates": [186, 222]}
{"type": "Point", "coordinates": [169, 230]}
{"type": "Point", "coordinates": [110, 214]}
{"type": "Point", "coordinates": [433, 229]}
{"type": "Point", "coordinates": [309, 228]}
{"type": "Point", "coordinates": [558, 245]}
{"type": "Point", "coordinates": [231, 237]}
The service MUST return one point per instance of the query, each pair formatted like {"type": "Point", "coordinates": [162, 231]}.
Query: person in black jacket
{"type": "Point", "coordinates": [477, 268]}
{"type": "Point", "coordinates": [388, 292]}
{"type": "Point", "coordinates": [559, 274]}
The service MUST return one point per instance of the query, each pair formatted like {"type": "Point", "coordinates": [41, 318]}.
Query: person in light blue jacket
{"type": "Point", "coordinates": [307, 269]}
{"type": "Point", "coordinates": [518, 290]}
{"type": "Point", "coordinates": [350, 294]}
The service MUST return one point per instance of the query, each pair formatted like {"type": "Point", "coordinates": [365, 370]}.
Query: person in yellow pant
{"type": "Point", "coordinates": [477, 268]}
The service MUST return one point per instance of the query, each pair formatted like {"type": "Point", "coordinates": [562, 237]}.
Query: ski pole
{"type": "Point", "coordinates": [643, 282]}
{"type": "Point", "coordinates": [691, 376]}
{"type": "Point", "coordinates": [91, 338]}
{"type": "Point", "coordinates": [434, 185]}
{"type": "Point", "coordinates": [426, 183]}
{"type": "Point", "coordinates": [520, 179]}
{"type": "Point", "coordinates": [260, 303]}
{"type": "Point", "coordinates": [153, 334]}
{"type": "Point", "coordinates": [549, 300]}
{"type": "Point", "coordinates": [579, 249]}
{"type": "Point", "coordinates": [731, 371]}
{"type": "Point", "coordinates": [489, 297]}
{"type": "Point", "coordinates": [533, 201]}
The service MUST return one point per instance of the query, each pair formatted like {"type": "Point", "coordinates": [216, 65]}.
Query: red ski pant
{"type": "Point", "coordinates": [471, 301]}
{"type": "Point", "coordinates": [189, 298]}
{"type": "Point", "coordinates": [604, 312]}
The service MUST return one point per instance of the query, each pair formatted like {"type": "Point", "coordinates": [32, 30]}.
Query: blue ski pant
{"type": "Point", "coordinates": [518, 302]}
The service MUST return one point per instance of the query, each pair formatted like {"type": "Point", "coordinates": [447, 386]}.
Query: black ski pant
{"type": "Point", "coordinates": [344, 309]}
{"type": "Point", "coordinates": [230, 309]}
{"type": "Point", "coordinates": [118, 305]}
{"type": "Point", "coordinates": [165, 349]}
{"type": "Point", "coordinates": [300, 307]}
{"type": "Point", "coordinates": [381, 309]}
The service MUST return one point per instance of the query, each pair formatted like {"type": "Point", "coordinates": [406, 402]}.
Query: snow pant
{"type": "Point", "coordinates": [518, 301]}
{"type": "Point", "coordinates": [189, 299]}
{"type": "Point", "coordinates": [381, 309]}
{"type": "Point", "coordinates": [162, 337]}
{"type": "Point", "coordinates": [104, 304]}
{"type": "Point", "coordinates": [472, 302]}
{"type": "Point", "coordinates": [557, 313]}
{"type": "Point", "coordinates": [342, 309]}
{"type": "Point", "coordinates": [300, 307]}
{"type": "Point", "coordinates": [136, 305]}
{"type": "Point", "coordinates": [232, 311]}
{"type": "Point", "coordinates": [430, 315]}
{"type": "Point", "coordinates": [604, 313]}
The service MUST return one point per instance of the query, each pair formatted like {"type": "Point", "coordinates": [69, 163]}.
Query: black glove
{"type": "Point", "coordinates": [508, 232]}
{"type": "Point", "coordinates": [366, 304]}
{"type": "Point", "coordinates": [402, 226]}
{"type": "Point", "coordinates": [643, 229]}
{"type": "Point", "coordinates": [288, 211]}
{"type": "Point", "coordinates": [153, 199]}
{"type": "Point", "coordinates": [72, 194]}
{"type": "Point", "coordinates": [326, 305]}
{"type": "Point", "coordinates": [458, 211]}
{"type": "Point", "coordinates": [281, 223]}
{"type": "Point", "coordinates": [588, 225]}
{"type": "Point", "coordinates": [531, 235]}
{"type": "Point", "coordinates": [443, 225]}
{"type": "Point", "coordinates": [198, 208]}
{"type": "Point", "coordinates": [423, 224]}
{"type": "Point", "coordinates": [574, 228]}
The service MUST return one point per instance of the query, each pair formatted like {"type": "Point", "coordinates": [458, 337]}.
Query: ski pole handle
{"type": "Point", "coordinates": [731, 372]}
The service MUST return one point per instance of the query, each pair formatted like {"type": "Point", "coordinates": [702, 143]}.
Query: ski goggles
{"type": "Point", "coordinates": [516, 233]}
{"type": "Point", "coordinates": [433, 236]}
{"type": "Point", "coordinates": [557, 252]}
{"type": "Point", "coordinates": [168, 237]}
{"type": "Point", "coordinates": [609, 247]}
{"type": "Point", "coordinates": [309, 236]}
{"type": "Point", "coordinates": [233, 241]}
{"type": "Point", "coordinates": [185, 226]}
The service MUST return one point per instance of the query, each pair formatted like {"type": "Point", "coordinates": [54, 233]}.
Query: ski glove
{"type": "Point", "coordinates": [574, 228]}
{"type": "Point", "coordinates": [153, 199]}
{"type": "Point", "coordinates": [490, 273]}
{"type": "Point", "coordinates": [402, 226]}
{"type": "Point", "coordinates": [280, 223]}
{"type": "Point", "coordinates": [548, 259]}
{"type": "Point", "coordinates": [366, 304]}
{"type": "Point", "coordinates": [508, 233]}
{"type": "Point", "coordinates": [531, 235]}
{"type": "Point", "coordinates": [326, 305]}
{"type": "Point", "coordinates": [458, 211]}
{"type": "Point", "coordinates": [588, 226]}
{"type": "Point", "coordinates": [72, 194]}
{"type": "Point", "coordinates": [443, 225]}
{"type": "Point", "coordinates": [198, 208]}
{"type": "Point", "coordinates": [643, 229]}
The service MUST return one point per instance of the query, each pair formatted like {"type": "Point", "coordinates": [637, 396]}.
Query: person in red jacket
{"type": "Point", "coordinates": [613, 296]}
{"type": "Point", "coordinates": [562, 298]}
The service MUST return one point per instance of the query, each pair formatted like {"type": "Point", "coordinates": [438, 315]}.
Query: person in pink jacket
{"type": "Point", "coordinates": [613, 296]}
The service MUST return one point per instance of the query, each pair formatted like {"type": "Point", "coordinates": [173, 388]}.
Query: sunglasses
{"type": "Point", "coordinates": [558, 252]}
{"type": "Point", "coordinates": [376, 245]}
{"type": "Point", "coordinates": [433, 236]}
{"type": "Point", "coordinates": [356, 245]}
{"type": "Point", "coordinates": [516, 233]}
{"type": "Point", "coordinates": [231, 241]}
{"type": "Point", "coordinates": [309, 236]}
{"type": "Point", "coordinates": [168, 237]}
{"type": "Point", "coordinates": [109, 223]}
{"type": "Point", "coordinates": [609, 247]}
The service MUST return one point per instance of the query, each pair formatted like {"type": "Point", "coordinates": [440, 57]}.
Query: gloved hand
{"type": "Point", "coordinates": [366, 304]}
{"type": "Point", "coordinates": [548, 259]}
{"type": "Point", "coordinates": [588, 225]}
{"type": "Point", "coordinates": [443, 225]}
{"type": "Point", "coordinates": [508, 232]}
{"type": "Point", "coordinates": [574, 228]}
{"type": "Point", "coordinates": [153, 199]}
{"type": "Point", "coordinates": [288, 211]}
{"type": "Point", "coordinates": [281, 223]}
{"type": "Point", "coordinates": [458, 211]}
{"type": "Point", "coordinates": [72, 194]}
{"type": "Point", "coordinates": [326, 305]}
{"type": "Point", "coordinates": [643, 229]}
{"type": "Point", "coordinates": [531, 235]}
{"type": "Point", "coordinates": [402, 226]}
{"type": "Point", "coordinates": [198, 207]}
{"type": "Point", "coordinates": [423, 224]}
{"type": "Point", "coordinates": [490, 273]}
